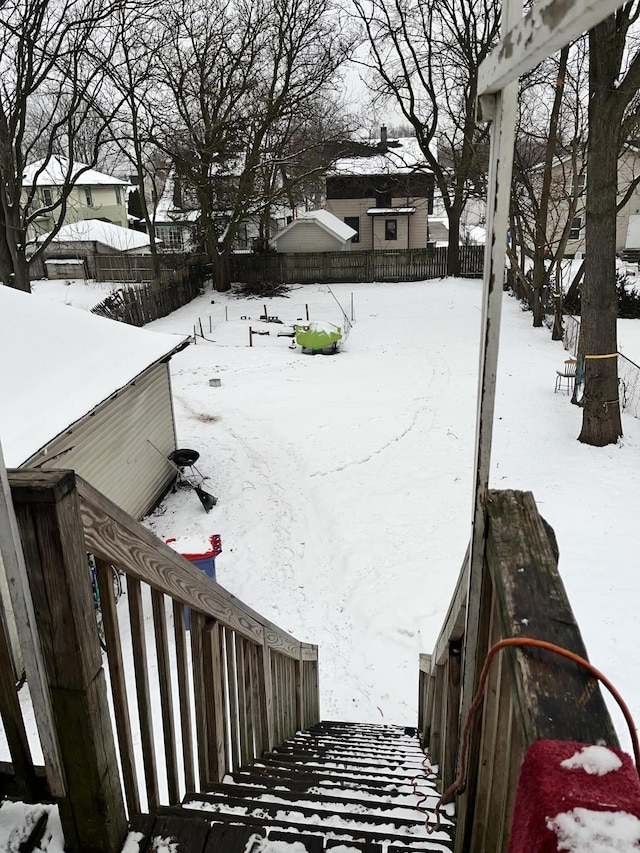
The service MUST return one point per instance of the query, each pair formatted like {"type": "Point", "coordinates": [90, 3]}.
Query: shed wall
{"type": "Point", "coordinates": [309, 237]}
{"type": "Point", "coordinates": [109, 448]}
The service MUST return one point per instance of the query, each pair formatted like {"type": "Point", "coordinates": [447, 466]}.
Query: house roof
{"type": "Point", "coordinates": [322, 219]}
{"type": "Point", "coordinates": [402, 156]}
{"type": "Point", "coordinates": [96, 231]}
{"type": "Point", "coordinates": [58, 363]}
{"type": "Point", "coordinates": [52, 172]}
{"type": "Point", "coordinates": [166, 211]}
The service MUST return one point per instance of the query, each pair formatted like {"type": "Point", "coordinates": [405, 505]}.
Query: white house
{"type": "Point", "coordinates": [314, 231]}
{"type": "Point", "coordinates": [95, 195]}
{"type": "Point", "coordinates": [72, 251]}
{"type": "Point", "coordinates": [87, 393]}
{"type": "Point", "coordinates": [385, 195]}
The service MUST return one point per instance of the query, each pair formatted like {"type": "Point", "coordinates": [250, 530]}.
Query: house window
{"type": "Point", "coordinates": [88, 196]}
{"type": "Point", "coordinates": [391, 229]}
{"type": "Point", "coordinates": [118, 195]}
{"type": "Point", "coordinates": [353, 222]}
{"type": "Point", "coordinates": [578, 187]}
{"type": "Point", "coordinates": [576, 225]}
{"type": "Point", "coordinates": [171, 235]}
{"type": "Point", "coordinates": [47, 196]}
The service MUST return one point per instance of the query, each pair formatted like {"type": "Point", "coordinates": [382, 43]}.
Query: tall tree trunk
{"type": "Point", "coordinates": [453, 250]}
{"type": "Point", "coordinates": [540, 271]}
{"type": "Point", "coordinates": [222, 271]}
{"type": "Point", "coordinates": [601, 423]}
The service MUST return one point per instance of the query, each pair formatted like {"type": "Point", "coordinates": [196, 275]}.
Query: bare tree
{"type": "Point", "coordinates": [424, 56]}
{"type": "Point", "coordinates": [131, 66]}
{"type": "Point", "coordinates": [49, 85]}
{"type": "Point", "coordinates": [549, 161]}
{"type": "Point", "coordinates": [614, 106]}
{"type": "Point", "coordinates": [237, 78]}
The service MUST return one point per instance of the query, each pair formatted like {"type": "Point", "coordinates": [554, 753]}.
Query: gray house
{"type": "Point", "coordinates": [87, 393]}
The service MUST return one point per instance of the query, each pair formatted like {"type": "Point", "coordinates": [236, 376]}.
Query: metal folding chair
{"type": "Point", "coordinates": [567, 376]}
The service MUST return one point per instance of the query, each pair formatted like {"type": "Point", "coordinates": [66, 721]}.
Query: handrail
{"type": "Point", "coordinates": [114, 536]}
{"type": "Point", "coordinates": [238, 683]}
{"type": "Point", "coordinates": [529, 695]}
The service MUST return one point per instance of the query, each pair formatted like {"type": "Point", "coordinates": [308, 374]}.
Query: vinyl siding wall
{"type": "Point", "coordinates": [309, 237]}
{"type": "Point", "coordinates": [411, 230]}
{"type": "Point", "coordinates": [109, 447]}
{"type": "Point", "coordinates": [104, 205]}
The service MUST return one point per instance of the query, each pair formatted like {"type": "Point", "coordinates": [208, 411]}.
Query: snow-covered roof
{"type": "Point", "coordinates": [55, 170]}
{"type": "Point", "coordinates": [402, 156]}
{"type": "Point", "coordinates": [166, 211]}
{"type": "Point", "coordinates": [390, 211]}
{"type": "Point", "coordinates": [59, 363]}
{"type": "Point", "coordinates": [327, 221]}
{"type": "Point", "coordinates": [96, 231]}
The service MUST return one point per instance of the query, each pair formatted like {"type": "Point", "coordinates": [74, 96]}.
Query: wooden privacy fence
{"type": "Point", "coordinates": [141, 303]}
{"type": "Point", "coordinates": [352, 266]}
{"type": "Point", "coordinates": [530, 694]}
{"type": "Point", "coordinates": [229, 689]}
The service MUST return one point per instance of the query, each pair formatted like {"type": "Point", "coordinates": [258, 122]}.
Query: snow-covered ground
{"type": "Point", "coordinates": [76, 292]}
{"type": "Point", "coordinates": [344, 482]}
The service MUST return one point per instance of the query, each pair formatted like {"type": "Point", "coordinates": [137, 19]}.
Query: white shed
{"type": "Point", "coordinates": [88, 393]}
{"type": "Point", "coordinates": [314, 231]}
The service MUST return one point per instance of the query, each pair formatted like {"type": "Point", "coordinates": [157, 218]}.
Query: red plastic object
{"type": "Point", "coordinates": [546, 789]}
{"type": "Point", "coordinates": [216, 548]}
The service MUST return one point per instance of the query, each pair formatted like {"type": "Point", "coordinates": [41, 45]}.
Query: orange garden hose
{"type": "Point", "coordinates": [541, 644]}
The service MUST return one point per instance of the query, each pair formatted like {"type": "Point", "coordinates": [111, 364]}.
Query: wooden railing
{"type": "Point", "coordinates": [530, 694]}
{"type": "Point", "coordinates": [229, 689]}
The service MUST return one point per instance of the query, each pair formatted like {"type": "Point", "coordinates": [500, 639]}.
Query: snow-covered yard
{"type": "Point", "coordinates": [344, 482]}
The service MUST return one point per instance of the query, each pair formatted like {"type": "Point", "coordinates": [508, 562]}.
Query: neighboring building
{"type": "Point", "coordinates": [568, 188]}
{"type": "Point", "coordinates": [95, 195]}
{"type": "Point", "coordinates": [386, 196]}
{"type": "Point", "coordinates": [87, 393]}
{"type": "Point", "coordinates": [175, 217]}
{"type": "Point", "coordinates": [73, 251]}
{"type": "Point", "coordinates": [314, 231]}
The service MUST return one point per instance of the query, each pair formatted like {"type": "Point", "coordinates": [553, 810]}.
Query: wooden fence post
{"type": "Point", "coordinates": [47, 509]}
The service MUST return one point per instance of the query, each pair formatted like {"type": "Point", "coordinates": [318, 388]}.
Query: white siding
{"type": "Point", "coordinates": [372, 233]}
{"type": "Point", "coordinates": [109, 448]}
{"type": "Point", "coordinates": [309, 237]}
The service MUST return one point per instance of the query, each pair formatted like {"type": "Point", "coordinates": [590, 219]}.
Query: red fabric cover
{"type": "Point", "coordinates": [546, 789]}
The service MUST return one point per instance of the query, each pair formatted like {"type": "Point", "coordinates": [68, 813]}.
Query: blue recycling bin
{"type": "Point", "coordinates": [205, 559]}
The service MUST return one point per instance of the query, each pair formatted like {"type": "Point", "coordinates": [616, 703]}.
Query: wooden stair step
{"type": "Point", "coordinates": [284, 759]}
{"type": "Point", "coordinates": [409, 751]}
{"type": "Point", "coordinates": [373, 729]}
{"type": "Point", "coordinates": [351, 756]}
{"type": "Point", "coordinates": [440, 841]}
{"type": "Point", "coordinates": [295, 775]}
{"type": "Point", "coordinates": [316, 803]}
{"type": "Point", "coordinates": [337, 792]}
{"type": "Point", "coordinates": [363, 747]}
{"type": "Point", "coordinates": [229, 805]}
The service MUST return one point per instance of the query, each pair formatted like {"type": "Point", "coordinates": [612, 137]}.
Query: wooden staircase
{"type": "Point", "coordinates": [337, 785]}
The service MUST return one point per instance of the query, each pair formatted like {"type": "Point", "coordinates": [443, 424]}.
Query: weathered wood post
{"type": "Point", "coordinates": [47, 509]}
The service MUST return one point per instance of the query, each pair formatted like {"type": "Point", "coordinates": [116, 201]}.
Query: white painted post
{"type": "Point", "coordinates": [547, 27]}
{"type": "Point", "coordinates": [20, 594]}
